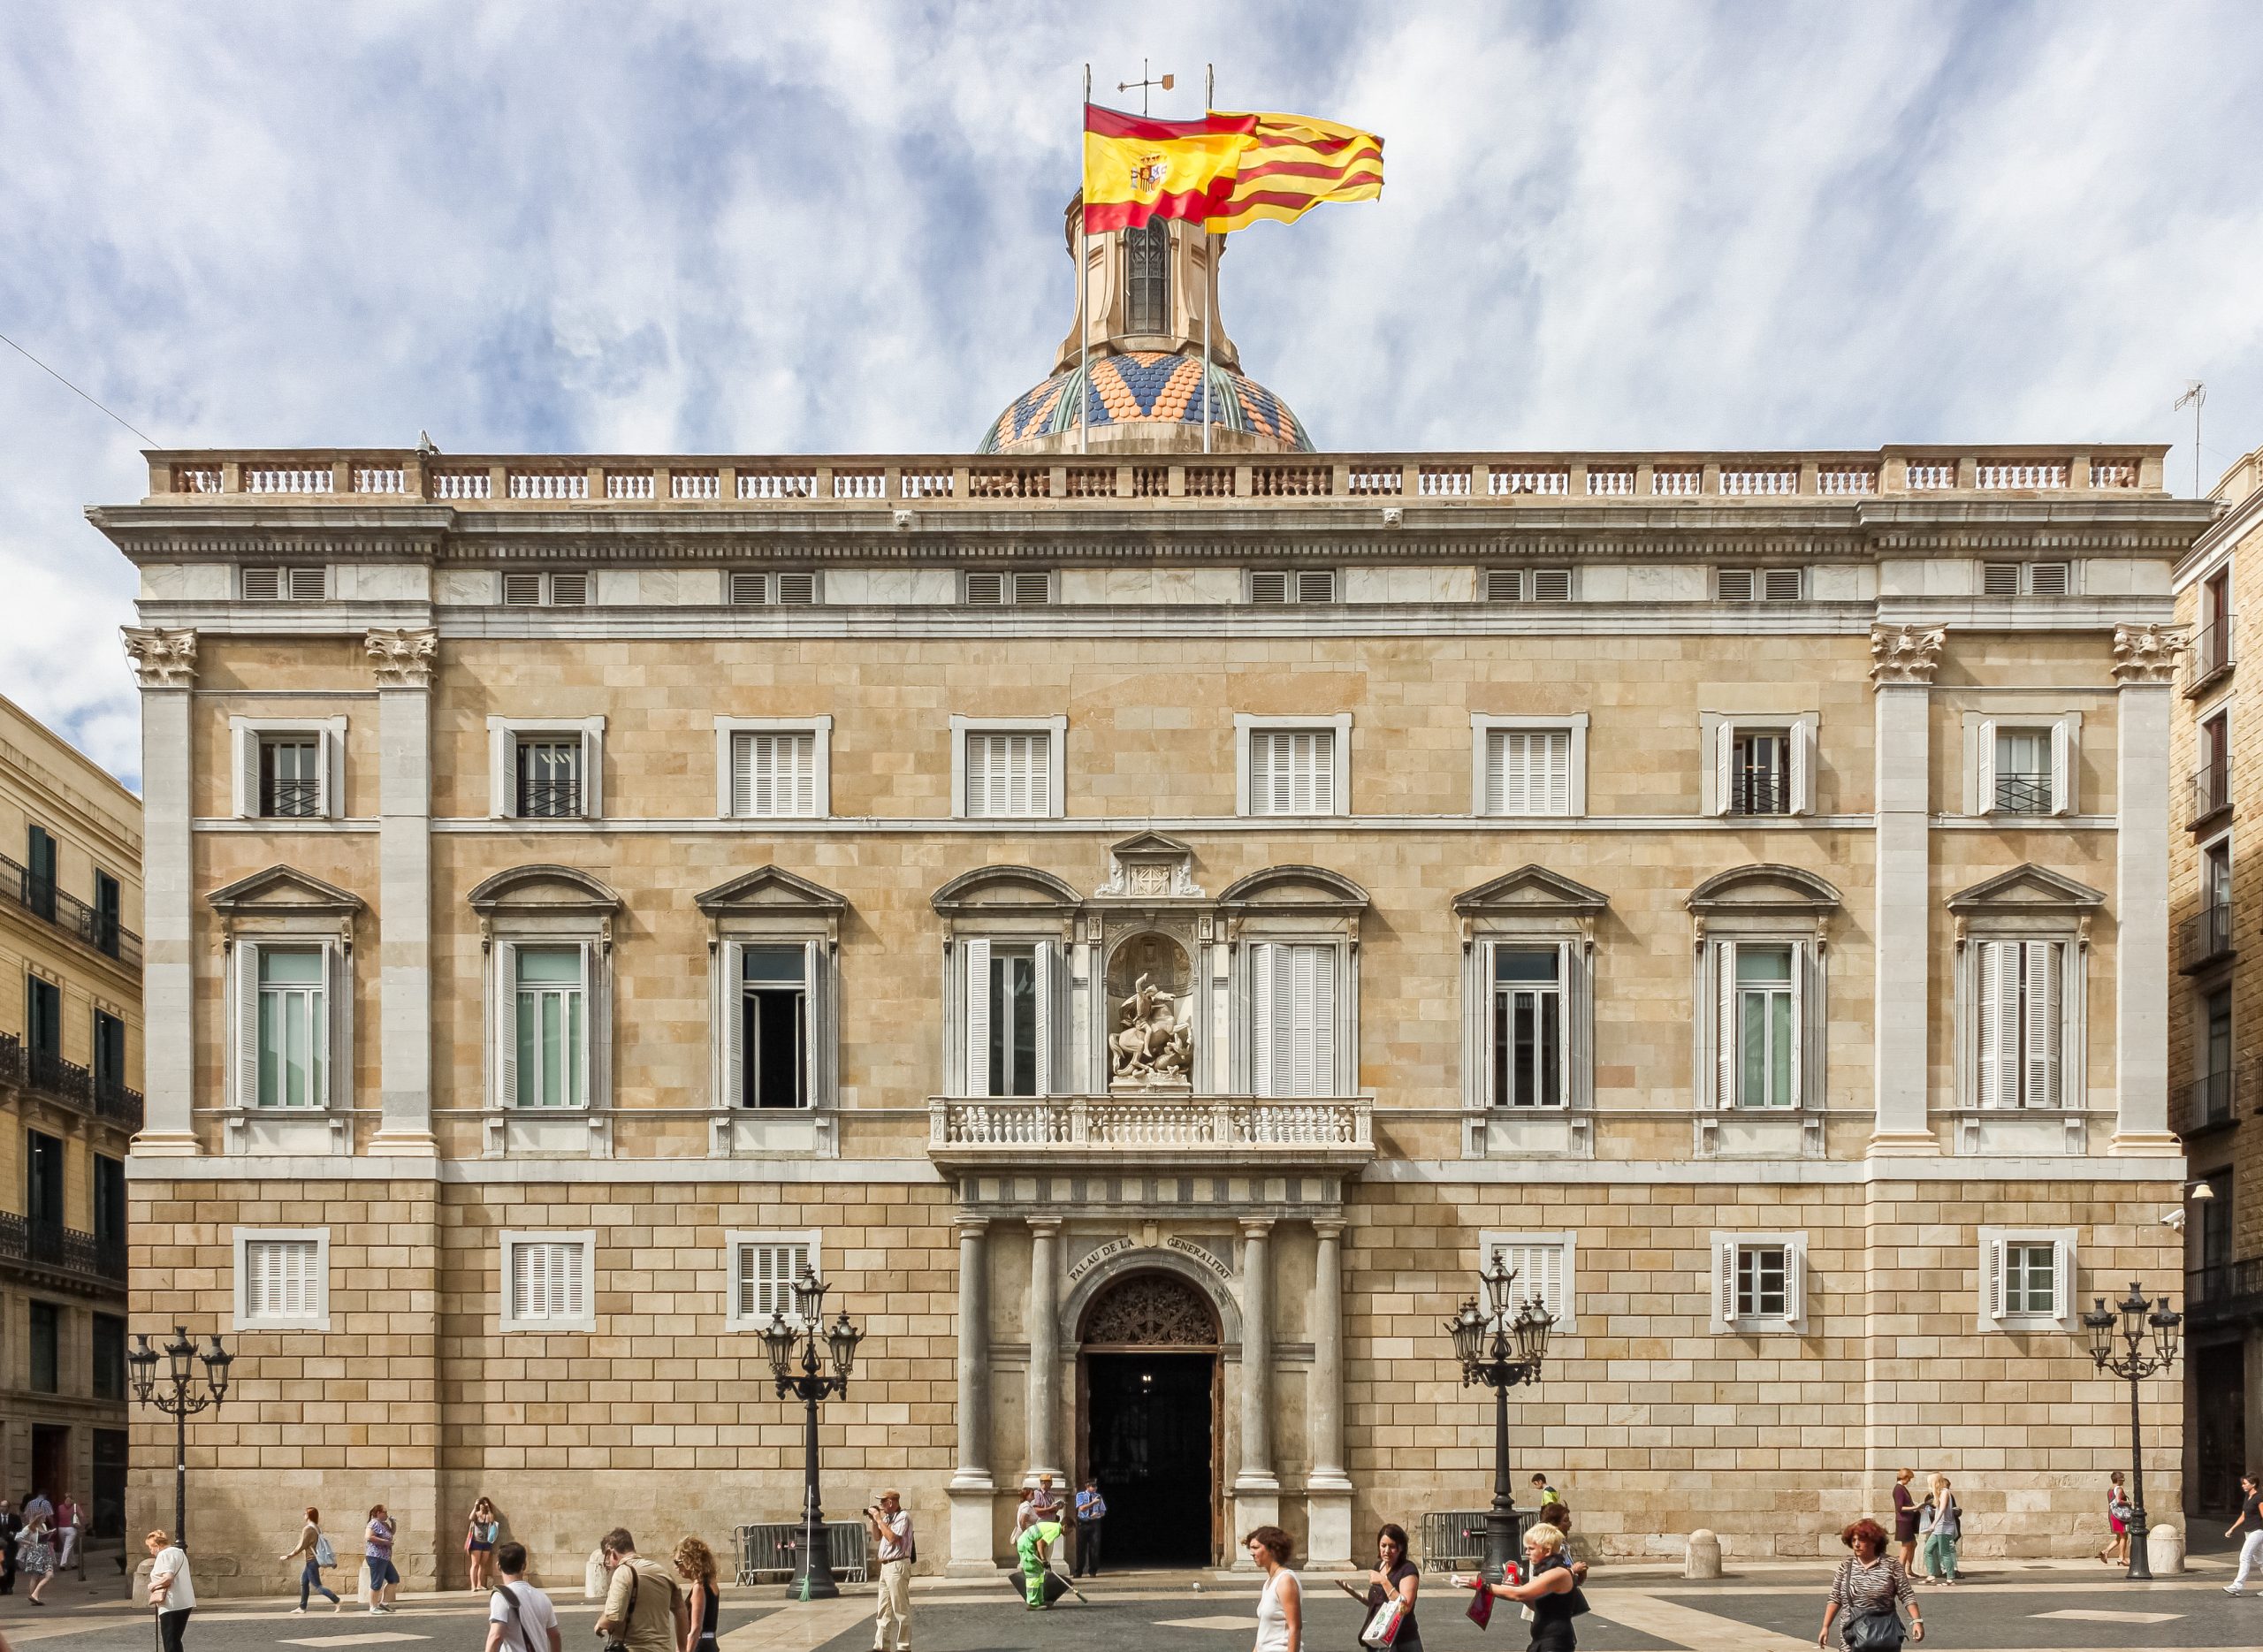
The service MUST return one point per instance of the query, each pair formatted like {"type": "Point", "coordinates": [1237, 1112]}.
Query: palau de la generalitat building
{"type": "Point", "coordinates": [1147, 923]}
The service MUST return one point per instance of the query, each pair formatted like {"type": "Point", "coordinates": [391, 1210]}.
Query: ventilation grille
{"type": "Point", "coordinates": [1029, 587]}
{"type": "Point", "coordinates": [278, 585]}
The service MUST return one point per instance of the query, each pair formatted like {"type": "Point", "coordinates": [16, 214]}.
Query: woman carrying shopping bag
{"type": "Point", "coordinates": [1388, 1593]}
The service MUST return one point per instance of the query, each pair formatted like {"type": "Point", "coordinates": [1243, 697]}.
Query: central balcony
{"type": "Point", "coordinates": [1011, 1132]}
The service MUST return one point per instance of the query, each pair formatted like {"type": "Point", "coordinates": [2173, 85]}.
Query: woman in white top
{"type": "Point", "coordinates": [1281, 1608]}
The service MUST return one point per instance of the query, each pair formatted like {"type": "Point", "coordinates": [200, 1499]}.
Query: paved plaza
{"type": "Point", "coordinates": [2040, 1607]}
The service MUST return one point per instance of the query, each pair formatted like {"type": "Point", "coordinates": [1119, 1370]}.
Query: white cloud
{"type": "Point", "coordinates": [749, 229]}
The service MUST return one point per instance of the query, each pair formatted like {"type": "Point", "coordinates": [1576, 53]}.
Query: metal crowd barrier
{"type": "Point", "coordinates": [1454, 1540]}
{"type": "Point", "coordinates": [769, 1552]}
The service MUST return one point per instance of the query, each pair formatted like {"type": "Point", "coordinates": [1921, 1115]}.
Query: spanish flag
{"type": "Point", "coordinates": [1290, 164]}
{"type": "Point", "coordinates": [1137, 169]}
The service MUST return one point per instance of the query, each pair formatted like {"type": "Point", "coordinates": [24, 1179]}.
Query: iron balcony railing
{"type": "Point", "coordinates": [550, 800]}
{"type": "Point", "coordinates": [74, 917]}
{"type": "Point", "coordinates": [66, 1249]}
{"type": "Point", "coordinates": [2223, 1291]}
{"type": "Point", "coordinates": [2212, 652]}
{"type": "Point", "coordinates": [2205, 937]}
{"type": "Point", "coordinates": [47, 1074]}
{"type": "Point", "coordinates": [2023, 794]}
{"type": "Point", "coordinates": [1759, 791]}
{"type": "Point", "coordinates": [2209, 1101]}
{"type": "Point", "coordinates": [2211, 790]}
{"type": "Point", "coordinates": [290, 799]}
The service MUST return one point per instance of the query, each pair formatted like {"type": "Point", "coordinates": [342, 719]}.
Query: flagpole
{"type": "Point", "coordinates": [1209, 268]}
{"type": "Point", "coordinates": [1083, 276]}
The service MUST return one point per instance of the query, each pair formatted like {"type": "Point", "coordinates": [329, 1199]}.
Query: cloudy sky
{"type": "Point", "coordinates": [776, 228]}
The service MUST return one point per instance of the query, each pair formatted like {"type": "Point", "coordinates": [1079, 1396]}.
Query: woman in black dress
{"type": "Point", "coordinates": [1551, 1589]}
{"type": "Point", "coordinates": [1395, 1575]}
{"type": "Point", "coordinates": [695, 1563]}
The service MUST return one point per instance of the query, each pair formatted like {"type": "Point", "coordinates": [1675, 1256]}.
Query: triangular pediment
{"type": "Point", "coordinates": [1150, 843]}
{"type": "Point", "coordinates": [285, 889]}
{"type": "Point", "coordinates": [1764, 888]}
{"type": "Point", "coordinates": [547, 888]}
{"type": "Point", "coordinates": [769, 889]}
{"type": "Point", "coordinates": [1024, 888]}
{"type": "Point", "coordinates": [1296, 887]}
{"type": "Point", "coordinates": [2031, 886]}
{"type": "Point", "coordinates": [1532, 888]}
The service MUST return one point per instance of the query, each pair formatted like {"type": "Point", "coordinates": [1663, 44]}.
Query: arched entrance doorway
{"type": "Point", "coordinates": [1148, 1375]}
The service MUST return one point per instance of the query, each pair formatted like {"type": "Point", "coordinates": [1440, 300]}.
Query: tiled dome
{"type": "Point", "coordinates": [1144, 387]}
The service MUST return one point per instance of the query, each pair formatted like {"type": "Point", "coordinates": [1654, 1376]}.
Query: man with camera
{"type": "Point", "coordinates": [890, 1530]}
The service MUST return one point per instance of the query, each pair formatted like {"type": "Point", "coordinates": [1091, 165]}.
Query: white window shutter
{"type": "Point", "coordinates": [977, 1016]}
{"type": "Point", "coordinates": [1040, 773]}
{"type": "Point", "coordinates": [744, 1260]}
{"type": "Point", "coordinates": [731, 1006]}
{"type": "Point", "coordinates": [1557, 751]}
{"type": "Point", "coordinates": [1992, 1261]}
{"type": "Point", "coordinates": [1796, 1282]}
{"type": "Point", "coordinates": [2041, 969]}
{"type": "Point", "coordinates": [2062, 787]}
{"type": "Point", "coordinates": [1800, 952]}
{"type": "Point", "coordinates": [507, 1024]}
{"type": "Point", "coordinates": [805, 749]}
{"type": "Point", "coordinates": [1724, 765]}
{"type": "Point", "coordinates": [2063, 1278]}
{"type": "Point", "coordinates": [591, 1009]}
{"type": "Point", "coordinates": [246, 1023]}
{"type": "Point", "coordinates": [332, 803]}
{"type": "Point", "coordinates": [576, 1261]}
{"type": "Point", "coordinates": [1323, 772]}
{"type": "Point", "coordinates": [1567, 960]}
{"type": "Point", "coordinates": [1802, 768]}
{"type": "Point", "coordinates": [328, 1024]}
{"type": "Point", "coordinates": [1261, 1018]}
{"type": "Point", "coordinates": [2010, 968]}
{"type": "Point", "coordinates": [1724, 1280]}
{"type": "Point", "coordinates": [816, 999]}
{"type": "Point", "coordinates": [1985, 803]}
{"type": "Point", "coordinates": [502, 780]}
{"type": "Point", "coordinates": [742, 787]}
{"type": "Point", "coordinates": [520, 1285]}
{"type": "Point", "coordinates": [1496, 764]}
{"type": "Point", "coordinates": [592, 774]}
{"type": "Point", "coordinates": [1725, 1065]}
{"type": "Point", "coordinates": [1041, 993]}
{"type": "Point", "coordinates": [1988, 1019]}
{"type": "Point", "coordinates": [1320, 1042]}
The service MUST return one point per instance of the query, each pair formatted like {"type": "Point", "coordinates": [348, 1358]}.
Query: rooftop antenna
{"type": "Point", "coordinates": [2195, 393]}
{"type": "Point", "coordinates": [1141, 85]}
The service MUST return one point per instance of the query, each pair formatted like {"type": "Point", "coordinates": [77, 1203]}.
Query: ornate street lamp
{"type": "Point", "coordinates": [180, 1403]}
{"type": "Point", "coordinates": [813, 1578]}
{"type": "Point", "coordinates": [2133, 1362]}
{"type": "Point", "coordinates": [1500, 1348]}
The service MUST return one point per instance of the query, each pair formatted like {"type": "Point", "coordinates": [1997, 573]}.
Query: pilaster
{"type": "Point", "coordinates": [1328, 1487]}
{"type": "Point", "coordinates": [971, 1492]}
{"type": "Point", "coordinates": [403, 662]}
{"type": "Point", "coordinates": [1903, 658]}
{"type": "Point", "coordinates": [1257, 1491]}
{"type": "Point", "coordinates": [2145, 671]}
{"type": "Point", "coordinates": [165, 664]}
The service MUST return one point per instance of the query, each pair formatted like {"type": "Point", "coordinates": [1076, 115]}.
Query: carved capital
{"type": "Point", "coordinates": [1905, 654]}
{"type": "Point", "coordinates": [402, 659]}
{"type": "Point", "coordinates": [2146, 655]}
{"type": "Point", "coordinates": [161, 659]}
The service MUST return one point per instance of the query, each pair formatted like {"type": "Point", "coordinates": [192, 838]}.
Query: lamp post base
{"type": "Point", "coordinates": [2141, 1563]}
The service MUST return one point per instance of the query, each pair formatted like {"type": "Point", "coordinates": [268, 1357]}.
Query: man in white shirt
{"type": "Point", "coordinates": [69, 1517]}
{"type": "Point", "coordinates": [533, 1625]}
{"type": "Point", "coordinates": [890, 1528]}
{"type": "Point", "coordinates": [172, 1591]}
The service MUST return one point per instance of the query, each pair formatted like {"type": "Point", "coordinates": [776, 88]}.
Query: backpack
{"type": "Point", "coordinates": [325, 1555]}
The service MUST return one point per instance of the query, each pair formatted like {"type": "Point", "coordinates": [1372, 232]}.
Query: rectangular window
{"type": "Point", "coordinates": [764, 1267]}
{"type": "Point", "coordinates": [294, 1051]}
{"type": "Point", "coordinates": [43, 1023]}
{"type": "Point", "coordinates": [1528, 771]}
{"type": "Point", "coordinates": [110, 907]}
{"type": "Point", "coordinates": [109, 1205]}
{"type": "Point", "coordinates": [1763, 1282]}
{"type": "Point", "coordinates": [1760, 772]}
{"type": "Point", "coordinates": [38, 871]}
{"type": "Point", "coordinates": [107, 1357]}
{"type": "Point", "coordinates": [2023, 771]}
{"type": "Point", "coordinates": [546, 1283]}
{"type": "Point", "coordinates": [1543, 1265]}
{"type": "Point", "coordinates": [46, 1345]}
{"type": "Point", "coordinates": [2027, 1279]}
{"type": "Point", "coordinates": [283, 1282]}
{"type": "Point", "coordinates": [773, 1026]}
{"type": "Point", "coordinates": [1527, 1027]}
{"type": "Point", "coordinates": [552, 1051]}
{"type": "Point", "coordinates": [1292, 1020]}
{"type": "Point", "coordinates": [773, 774]}
{"type": "Point", "coordinates": [2019, 1032]}
{"type": "Point", "coordinates": [549, 779]}
{"type": "Point", "coordinates": [1010, 775]}
{"type": "Point", "coordinates": [1292, 771]}
{"type": "Point", "coordinates": [110, 1052]}
{"type": "Point", "coordinates": [290, 777]}
{"type": "Point", "coordinates": [43, 1184]}
{"type": "Point", "coordinates": [1764, 1053]}
{"type": "Point", "coordinates": [2031, 1275]}
{"type": "Point", "coordinates": [1012, 996]}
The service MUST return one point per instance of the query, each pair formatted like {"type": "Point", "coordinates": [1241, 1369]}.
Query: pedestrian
{"type": "Point", "coordinates": [1394, 1578]}
{"type": "Point", "coordinates": [1545, 1494]}
{"type": "Point", "coordinates": [1092, 1509]}
{"type": "Point", "coordinates": [643, 1610]}
{"type": "Point", "coordinates": [377, 1554]}
{"type": "Point", "coordinates": [2250, 1517]}
{"type": "Point", "coordinates": [35, 1554]}
{"type": "Point", "coordinates": [11, 1523]}
{"type": "Point", "coordinates": [1905, 1517]}
{"type": "Point", "coordinates": [1034, 1549]}
{"type": "Point", "coordinates": [695, 1563]}
{"type": "Point", "coordinates": [314, 1553]}
{"type": "Point", "coordinates": [1869, 1586]}
{"type": "Point", "coordinates": [1948, 1528]}
{"type": "Point", "coordinates": [1550, 1589]}
{"type": "Point", "coordinates": [2116, 1552]}
{"type": "Point", "coordinates": [1039, 1502]}
{"type": "Point", "coordinates": [36, 1503]}
{"type": "Point", "coordinates": [519, 1616]}
{"type": "Point", "coordinates": [479, 1542]}
{"type": "Point", "coordinates": [1281, 1607]}
{"type": "Point", "coordinates": [70, 1519]}
{"type": "Point", "coordinates": [173, 1591]}
{"type": "Point", "coordinates": [889, 1527]}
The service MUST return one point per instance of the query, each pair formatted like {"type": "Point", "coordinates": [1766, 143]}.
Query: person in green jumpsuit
{"type": "Point", "coordinates": [1035, 1545]}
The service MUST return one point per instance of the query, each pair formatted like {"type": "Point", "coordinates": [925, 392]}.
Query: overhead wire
{"type": "Point", "coordinates": [74, 390]}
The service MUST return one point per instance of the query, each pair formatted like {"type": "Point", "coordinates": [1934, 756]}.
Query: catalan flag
{"type": "Point", "coordinates": [1290, 165]}
{"type": "Point", "coordinates": [1136, 168]}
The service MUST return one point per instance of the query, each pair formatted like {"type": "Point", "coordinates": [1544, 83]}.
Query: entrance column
{"type": "Point", "coordinates": [1044, 1350]}
{"type": "Point", "coordinates": [1257, 1493]}
{"type": "Point", "coordinates": [1328, 1488]}
{"type": "Point", "coordinates": [973, 1497]}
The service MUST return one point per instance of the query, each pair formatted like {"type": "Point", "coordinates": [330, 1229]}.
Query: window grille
{"type": "Point", "coordinates": [1146, 253]}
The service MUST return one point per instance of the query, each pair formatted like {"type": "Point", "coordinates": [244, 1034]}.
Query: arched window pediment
{"type": "Point", "coordinates": [1295, 888]}
{"type": "Point", "coordinates": [1009, 888]}
{"type": "Point", "coordinates": [1765, 890]}
{"type": "Point", "coordinates": [543, 888]}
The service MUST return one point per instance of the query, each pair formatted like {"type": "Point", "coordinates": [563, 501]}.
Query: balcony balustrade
{"type": "Point", "coordinates": [2209, 1101]}
{"type": "Point", "coordinates": [48, 1075]}
{"type": "Point", "coordinates": [2223, 1291]}
{"type": "Point", "coordinates": [1000, 1131]}
{"type": "Point", "coordinates": [2205, 937]}
{"type": "Point", "coordinates": [2211, 654]}
{"type": "Point", "coordinates": [2211, 790]}
{"type": "Point", "coordinates": [51, 1245]}
{"type": "Point", "coordinates": [74, 917]}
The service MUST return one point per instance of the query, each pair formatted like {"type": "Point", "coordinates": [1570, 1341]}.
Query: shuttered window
{"type": "Point", "coordinates": [1528, 771]}
{"type": "Point", "coordinates": [1527, 1027]}
{"type": "Point", "coordinates": [293, 1023]}
{"type": "Point", "coordinates": [548, 1282]}
{"type": "Point", "coordinates": [1293, 1019]}
{"type": "Point", "coordinates": [1763, 1282]}
{"type": "Point", "coordinates": [1543, 1265]}
{"type": "Point", "coordinates": [551, 1050]}
{"type": "Point", "coordinates": [282, 1280]}
{"type": "Point", "coordinates": [2028, 1278]}
{"type": "Point", "coordinates": [2019, 1022]}
{"type": "Point", "coordinates": [1009, 774]}
{"type": "Point", "coordinates": [1759, 1282]}
{"type": "Point", "coordinates": [763, 1271]}
{"type": "Point", "coordinates": [1292, 771]}
{"type": "Point", "coordinates": [773, 774]}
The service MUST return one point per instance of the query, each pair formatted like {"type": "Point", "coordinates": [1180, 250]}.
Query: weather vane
{"type": "Point", "coordinates": [1141, 85]}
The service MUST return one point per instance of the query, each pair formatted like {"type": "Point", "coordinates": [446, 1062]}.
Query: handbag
{"type": "Point", "coordinates": [1873, 1631]}
{"type": "Point", "coordinates": [1382, 1628]}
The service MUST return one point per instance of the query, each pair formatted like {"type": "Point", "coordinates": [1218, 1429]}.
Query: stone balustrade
{"type": "Point", "coordinates": [999, 1131]}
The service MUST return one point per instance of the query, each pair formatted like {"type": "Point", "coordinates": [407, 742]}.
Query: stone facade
{"type": "Point", "coordinates": [70, 1083]}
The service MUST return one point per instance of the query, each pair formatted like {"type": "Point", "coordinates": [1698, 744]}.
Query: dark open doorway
{"type": "Point", "coordinates": [51, 1460]}
{"type": "Point", "coordinates": [1149, 1443]}
{"type": "Point", "coordinates": [2219, 1381]}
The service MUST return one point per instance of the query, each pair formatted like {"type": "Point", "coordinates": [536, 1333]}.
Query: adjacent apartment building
{"type": "Point", "coordinates": [2217, 1071]}
{"type": "Point", "coordinates": [70, 1076]}
{"type": "Point", "coordinates": [1148, 919]}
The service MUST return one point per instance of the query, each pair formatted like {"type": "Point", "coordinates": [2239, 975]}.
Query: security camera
{"type": "Point", "coordinates": [2174, 1220]}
